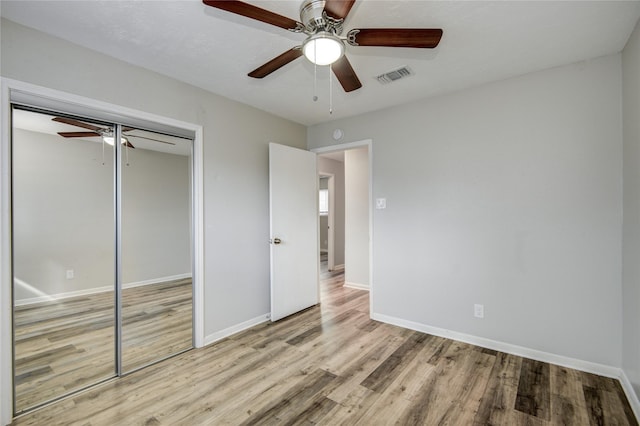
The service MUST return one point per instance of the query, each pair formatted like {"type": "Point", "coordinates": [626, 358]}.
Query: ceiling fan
{"type": "Point", "coordinates": [105, 133]}
{"type": "Point", "coordinates": [322, 22]}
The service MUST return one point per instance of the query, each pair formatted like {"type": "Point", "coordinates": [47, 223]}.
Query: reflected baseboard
{"type": "Point", "coordinates": [95, 290]}
{"type": "Point", "coordinates": [157, 280]}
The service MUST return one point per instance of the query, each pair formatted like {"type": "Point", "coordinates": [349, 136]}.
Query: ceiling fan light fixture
{"type": "Point", "coordinates": [323, 48]}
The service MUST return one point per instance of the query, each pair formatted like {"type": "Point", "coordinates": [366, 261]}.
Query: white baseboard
{"type": "Point", "coordinates": [96, 290]}
{"type": "Point", "coordinates": [338, 268]}
{"type": "Point", "coordinates": [357, 286]}
{"type": "Point", "coordinates": [157, 280]}
{"type": "Point", "coordinates": [631, 394]}
{"type": "Point", "coordinates": [587, 366]}
{"type": "Point", "coordinates": [219, 335]}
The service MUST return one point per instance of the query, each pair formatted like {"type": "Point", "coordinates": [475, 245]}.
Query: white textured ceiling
{"type": "Point", "coordinates": [483, 41]}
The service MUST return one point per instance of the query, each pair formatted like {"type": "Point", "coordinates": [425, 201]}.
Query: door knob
{"type": "Point", "coordinates": [275, 241]}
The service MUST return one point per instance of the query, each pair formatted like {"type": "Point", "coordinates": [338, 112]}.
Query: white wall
{"type": "Point", "coordinates": [631, 230]}
{"type": "Point", "coordinates": [356, 217]}
{"type": "Point", "coordinates": [336, 168]}
{"type": "Point", "coordinates": [508, 195]}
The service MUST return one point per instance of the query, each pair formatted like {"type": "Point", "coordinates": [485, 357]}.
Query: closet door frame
{"type": "Point", "coordinates": [14, 91]}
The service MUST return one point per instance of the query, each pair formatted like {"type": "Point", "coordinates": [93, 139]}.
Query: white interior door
{"type": "Point", "coordinates": [293, 204]}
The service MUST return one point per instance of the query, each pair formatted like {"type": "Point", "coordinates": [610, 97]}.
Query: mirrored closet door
{"type": "Point", "coordinates": [102, 259]}
{"type": "Point", "coordinates": [63, 258]}
{"type": "Point", "coordinates": [156, 247]}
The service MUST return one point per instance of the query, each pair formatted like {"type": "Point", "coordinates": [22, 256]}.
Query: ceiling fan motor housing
{"type": "Point", "coordinates": [315, 19]}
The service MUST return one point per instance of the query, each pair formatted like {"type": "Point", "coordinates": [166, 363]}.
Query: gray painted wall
{"type": "Point", "coordinates": [327, 165]}
{"type": "Point", "coordinates": [236, 206]}
{"type": "Point", "coordinates": [356, 217]}
{"type": "Point", "coordinates": [631, 230]}
{"type": "Point", "coordinates": [508, 195]}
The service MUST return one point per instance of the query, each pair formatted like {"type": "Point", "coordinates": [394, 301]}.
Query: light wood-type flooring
{"type": "Point", "coordinates": [68, 344]}
{"type": "Point", "coordinates": [332, 365]}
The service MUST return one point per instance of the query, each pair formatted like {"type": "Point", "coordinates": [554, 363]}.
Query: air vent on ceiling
{"type": "Point", "coordinates": [394, 75]}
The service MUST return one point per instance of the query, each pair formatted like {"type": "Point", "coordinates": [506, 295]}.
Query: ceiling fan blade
{"type": "Point", "coordinates": [338, 9]}
{"type": "Point", "coordinates": [149, 139]}
{"type": "Point", "coordinates": [78, 134]}
{"type": "Point", "coordinates": [77, 123]}
{"type": "Point", "coordinates": [128, 144]}
{"type": "Point", "coordinates": [276, 63]}
{"type": "Point", "coordinates": [346, 75]}
{"type": "Point", "coordinates": [254, 12]}
{"type": "Point", "coordinates": [395, 37]}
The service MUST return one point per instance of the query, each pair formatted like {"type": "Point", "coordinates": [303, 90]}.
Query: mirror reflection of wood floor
{"type": "Point", "coordinates": [332, 365]}
{"type": "Point", "coordinates": [68, 344]}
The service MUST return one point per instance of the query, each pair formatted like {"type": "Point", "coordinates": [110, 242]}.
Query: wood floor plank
{"type": "Point", "coordinates": [624, 403]}
{"type": "Point", "coordinates": [451, 394]}
{"type": "Point", "coordinates": [595, 411]}
{"type": "Point", "coordinates": [361, 366]}
{"type": "Point", "coordinates": [614, 411]}
{"type": "Point", "coordinates": [249, 392]}
{"type": "Point", "coordinates": [386, 372]}
{"type": "Point", "coordinates": [309, 369]}
{"type": "Point", "coordinates": [568, 405]}
{"type": "Point", "coordinates": [321, 328]}
{"type": "Point", "coordinates": [294, 401]}
{"type": "Point", "coordinates": [352, 406]}
{"type": "Point", "coordinates": [534, 396]}
{"type": "Point", "coordinates": [500, 393]}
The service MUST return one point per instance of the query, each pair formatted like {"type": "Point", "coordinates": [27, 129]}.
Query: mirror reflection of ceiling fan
{"type": "Point", "coordinates": [321, 21]}
{"type": "Point", "coordinates": [105, 133]}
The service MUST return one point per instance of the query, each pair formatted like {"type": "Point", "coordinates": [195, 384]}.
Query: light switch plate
{"type": "Point", "coordinates": [381, 203]}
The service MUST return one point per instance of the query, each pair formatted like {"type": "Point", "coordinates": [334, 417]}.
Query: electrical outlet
{"type": "Point", "coordinates": [70, 274]}
{"type": "Point", "coordinates": [478, 311]}
{"type": "Point", "coordinates": [381, 203]}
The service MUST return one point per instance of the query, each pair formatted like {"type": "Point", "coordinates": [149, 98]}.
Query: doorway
{"type": "Point", "coordinates": [347, 170]}
{"type": "Point", "coordinates": [102, 251]}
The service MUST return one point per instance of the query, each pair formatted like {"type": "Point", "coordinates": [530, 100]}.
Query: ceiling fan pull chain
{"type": "Point", "coordinates": [330, 90]}
{"type": "Point", "coordinates": [126, 148]}
{"type": "Point", "coordinates": [103, 142]}
{"type": "Point", "coordinates": [315, 82]}
{"type": "Point", "coordinates": [315, 77]}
